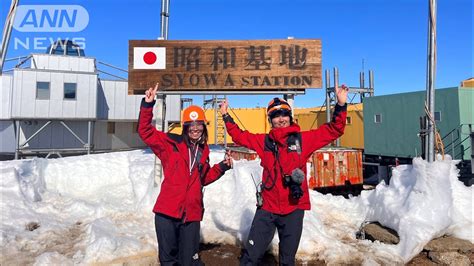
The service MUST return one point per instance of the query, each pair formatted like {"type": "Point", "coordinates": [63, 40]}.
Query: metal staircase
{"type": "Point", "coordinates": [456, 143]}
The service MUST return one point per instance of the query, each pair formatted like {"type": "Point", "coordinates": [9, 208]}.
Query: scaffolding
{"type": "Point", "coordinates": [220, 133]}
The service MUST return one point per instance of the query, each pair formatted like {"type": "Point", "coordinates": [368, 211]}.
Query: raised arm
{"type": "Point", "coordinates": [153, 138]}
{"type": "Point", "coordinates": [218, 170]}
{"type": "Point", "coordinates": [241, 137]}
{"type": "Point", "coordinates": [320, 137]}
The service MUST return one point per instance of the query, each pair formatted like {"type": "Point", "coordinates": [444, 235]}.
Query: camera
{"type": "Point", "coordinates": [294, 182]}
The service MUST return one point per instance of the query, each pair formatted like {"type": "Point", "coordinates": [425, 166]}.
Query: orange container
{"type": "Point", "coordinates": [335, 167]}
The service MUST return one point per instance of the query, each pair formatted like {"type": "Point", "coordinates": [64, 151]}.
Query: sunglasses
{"type": "Point", "coordinates": [280, 112]}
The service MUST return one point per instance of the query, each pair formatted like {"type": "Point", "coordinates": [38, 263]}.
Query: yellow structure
{"type": "Point", "coordinates": [255, 120]}
{"type": "Point", "coordinates": [469, 83]}
{"type": "Point", "coordinates": [252, 119]}
{"type": "Point", "coordinates": [311, 118]}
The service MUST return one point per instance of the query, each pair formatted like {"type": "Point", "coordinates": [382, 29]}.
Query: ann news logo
{"type": "Point", "coordinates": [51, 18]}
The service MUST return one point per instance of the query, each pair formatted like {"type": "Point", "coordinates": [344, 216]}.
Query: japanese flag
{"type": "Point", "coordinates": [149, 58]}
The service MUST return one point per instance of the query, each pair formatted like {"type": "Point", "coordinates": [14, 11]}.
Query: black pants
{"type": "Point", "coordinates": [262, 231]}
{"type": "Point", "coordinates": [178, 242]}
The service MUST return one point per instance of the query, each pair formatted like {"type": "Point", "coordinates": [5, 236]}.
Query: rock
{"type": "Point", "coordinates": [376, 231]}
{"type": "Point", "coordinates": [448, 243]}
{"type": "Point", "coordinates": [31, 226]}
{"type": "Point", "coordinates": [421, 260]}
{"type": "Point", "coordinates": [449, 258]}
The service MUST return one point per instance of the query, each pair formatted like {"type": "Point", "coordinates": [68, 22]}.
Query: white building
{"type": "Point", "coordinates": [59, 105]}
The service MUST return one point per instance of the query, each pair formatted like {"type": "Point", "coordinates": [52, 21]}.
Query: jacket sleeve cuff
{"type": "Point", "coordinates": [228, 118]}
{"type": "Point", "coordinates": [339, 109]}
{"type": "Point", "coordinates": [147, 104]}
{"type": "Point", "coordinates": [224, 167]}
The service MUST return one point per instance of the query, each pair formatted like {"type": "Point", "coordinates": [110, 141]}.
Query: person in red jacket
{"type": "Point", "coordinates": [185, 161]}
{"type": "Point", "coordinates": [283, 193]}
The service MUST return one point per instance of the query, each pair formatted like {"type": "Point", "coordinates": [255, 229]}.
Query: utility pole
{"type": "Point", "coordinates": [160, 121]}
{"type": "Point", "coordinates": [430, 81]}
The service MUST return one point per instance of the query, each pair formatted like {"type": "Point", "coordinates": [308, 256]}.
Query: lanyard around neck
{"type": "Point", "coordinates": [191, 164]}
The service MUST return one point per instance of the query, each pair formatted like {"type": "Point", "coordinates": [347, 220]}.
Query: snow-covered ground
{"type": "Point", "coordinates": [97, 208]}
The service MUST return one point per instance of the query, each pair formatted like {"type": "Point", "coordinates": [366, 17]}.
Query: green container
{"type": "Point", "coordinates": [392, 122]}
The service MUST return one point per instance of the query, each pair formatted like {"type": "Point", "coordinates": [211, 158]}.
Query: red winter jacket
{"type": "Point", "coordinates": [181, 192]}
{"type": "Point", "coordinates": [278, 199]}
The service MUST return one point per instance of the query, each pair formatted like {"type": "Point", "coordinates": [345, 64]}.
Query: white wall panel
{"type": "Point", "coordinates": [6, 85]}
{"type": "Point", "coordinates": [56, 108]}
{"type": "Point", "coordinates": [69, 109]}
{"type": "Point", "coordinates": [83, 96]}
{"type": "Point", "coordinates": [73, 63]}
{"type": "Point", "coordinates": [173, 108]}
{"type": "Point", "coordinates": [53, 62]}
{"type": "Point", "coordinates": [42, 108]}
{"type": "Point", "coordinates": [41, 62]}
{"type": "Point", "coordinates": [64, 63]}
{"type": "Point", "coordinates": [16, 97]}
{"type": "Point", "coordinates": [120, 101]}
{"type": "Point", "coordinates": [57, 88]}
{"type": "Point", "coordinates": [93, 96]}
{"type": "Point", "coordinates": [130, 108]}
{"type": "Point", "coordinates": [27, 94]}
{"type": "Point", "coordinates": [25, 104]}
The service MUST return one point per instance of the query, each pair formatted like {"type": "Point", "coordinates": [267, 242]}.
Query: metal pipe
{"type": "Point", "coordinates": [72, 132]}
{"type": "Point", "coordinates": [17, 137]}
{"type": "Point", "coordinates": [336, 84]}
{"type": "Point", "coordinates": [164, 19]}
{"type": "Point", "coordinates": [89, 136]}
{"type": "Point", "coordinates": [111, 74]}
{"type": "Point", "coordinates": [214, 105]}
{"type": "Point", "coordinates": [371, 82]}
{"type": "Point", "coordinates": [430, 98]}
{"type": "Point", "coordinates": [36, 133]}
{"type": "Point", "coordinates": [112, 66]}
{"type": "Point", "coordinates": [16, 58]}
{"type": "Point", "coordinates": [328, 96]}
{"type": "Point", "coordinates": [225, 129]}
{"type": "Point", "coordinates": [7, 30]}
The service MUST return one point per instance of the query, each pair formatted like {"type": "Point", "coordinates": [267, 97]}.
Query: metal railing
{"type": "Point", "coordinates": [456, 142]}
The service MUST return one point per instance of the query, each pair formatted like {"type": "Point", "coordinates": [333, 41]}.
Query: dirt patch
{"type": "Point", "coordinates": [211, 255]}
{"type": "Point", "coordinates": [64, 242]}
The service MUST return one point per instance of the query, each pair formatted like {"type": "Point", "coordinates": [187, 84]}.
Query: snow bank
{"type": "Point", "coordinates": [97, 208]}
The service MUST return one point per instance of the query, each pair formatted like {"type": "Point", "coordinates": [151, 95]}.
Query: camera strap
{"type": "Point", "coordinates": [294, 145]}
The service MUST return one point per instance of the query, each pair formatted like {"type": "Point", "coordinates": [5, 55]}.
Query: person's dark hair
{"type": "Point", "coordinates": [202, 140]}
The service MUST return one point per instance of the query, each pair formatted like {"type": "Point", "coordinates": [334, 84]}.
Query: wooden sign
{"type": "Point", "coordinates": [224, 65]}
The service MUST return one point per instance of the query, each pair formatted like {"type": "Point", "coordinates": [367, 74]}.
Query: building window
{"type": "Point", "coordinates": [110, 127]}
{"type": "Point", "coordinates": [42, 90]}
{"type": "Point", "coordinates": [70, 91]}
{"type": "Point", "coordinates": [437, 116]}
{"type": "Point", "coordinates": [378, 118]}
{"type": "Point", "coordinates": [348, 120]}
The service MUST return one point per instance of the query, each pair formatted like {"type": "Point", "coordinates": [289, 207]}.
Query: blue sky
{"type": "Point", "coordinates": [390, 37]}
